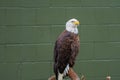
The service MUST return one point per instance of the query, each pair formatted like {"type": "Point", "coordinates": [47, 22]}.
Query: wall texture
{"type": "Point", "coordinates": [29, 28]}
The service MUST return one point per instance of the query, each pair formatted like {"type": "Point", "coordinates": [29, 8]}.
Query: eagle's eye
{"type": "Point", "coordinates": [72, 21]}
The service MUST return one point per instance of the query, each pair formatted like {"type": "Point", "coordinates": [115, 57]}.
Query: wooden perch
{"type": "Point", "coordinates": [74, 76]}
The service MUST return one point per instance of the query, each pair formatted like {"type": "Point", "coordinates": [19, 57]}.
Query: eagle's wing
{"type": "Point", "coordinates": [62, 52]}
{"type": "Point", "coordinates": [74, 50]}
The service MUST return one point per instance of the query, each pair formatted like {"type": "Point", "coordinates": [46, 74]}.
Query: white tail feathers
{"type": "Point", "coordinates": [66, 70]}
{"type": "Point", "coordinates": [108, 78]}
{"type": "Point", "coordinates": [60, 76]}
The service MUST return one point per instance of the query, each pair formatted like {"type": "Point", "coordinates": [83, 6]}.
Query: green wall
{"type": "Point", "coordinates": [29, 28]}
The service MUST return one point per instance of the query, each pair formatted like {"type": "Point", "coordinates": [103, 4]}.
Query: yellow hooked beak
{"type": "Point", "coordinates": [76, 22]}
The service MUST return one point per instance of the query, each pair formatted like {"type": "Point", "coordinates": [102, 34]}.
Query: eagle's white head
{"type": "Point", "coordinates": [71, 25]}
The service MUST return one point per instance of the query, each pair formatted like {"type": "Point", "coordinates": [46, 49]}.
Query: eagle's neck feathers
{"type": "Point", "coordinates": [72, 30]}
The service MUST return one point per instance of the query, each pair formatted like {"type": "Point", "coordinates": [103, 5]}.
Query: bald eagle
{"type": "Point", "coordinates": [66, 49]}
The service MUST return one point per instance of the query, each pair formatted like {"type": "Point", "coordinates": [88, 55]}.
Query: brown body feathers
{"type": "Point", "coordinates": [65, 51]}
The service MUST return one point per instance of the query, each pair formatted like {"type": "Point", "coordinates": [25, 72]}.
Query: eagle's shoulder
{"type": "Point", "coordinates": [63, 34]}
{"type": "Point", "coordinates": [67, 35]}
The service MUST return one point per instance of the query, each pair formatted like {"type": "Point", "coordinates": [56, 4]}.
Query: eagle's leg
{"type": "Point", "coordinates": [73, 75]}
